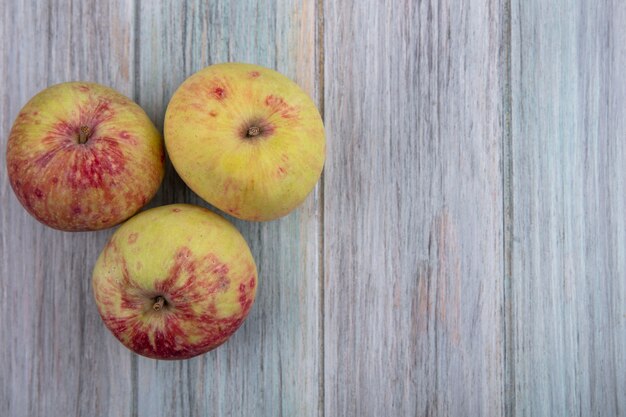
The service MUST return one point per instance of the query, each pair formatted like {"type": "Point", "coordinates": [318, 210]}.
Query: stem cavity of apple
{"type": "Point", "coordinates": [83, 135]}
{"type": "Point", "coordinates": [158, 303]}
{"type": "Point", "coordinates": [253, 131]}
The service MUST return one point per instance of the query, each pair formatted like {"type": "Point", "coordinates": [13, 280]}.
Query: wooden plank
{"type": "Point", "coordinates": [413, 224]}
{"type": "Point", "coordinates": [271, 365]}
{"type": "Point", "coordinates": [57, 357]}
{"type": "Point", "coordinates": [568, 194]}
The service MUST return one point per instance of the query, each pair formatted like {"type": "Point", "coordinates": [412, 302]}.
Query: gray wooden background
{"type": "Point", "coordinates": [463, 255]}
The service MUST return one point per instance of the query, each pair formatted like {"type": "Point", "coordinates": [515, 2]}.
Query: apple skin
{"type": "Point", "coordinates": [93, 185]}
{"type": "Point", "coordinates": [261, 174]}
{"type": "Point", "coordinates": [191, 257]}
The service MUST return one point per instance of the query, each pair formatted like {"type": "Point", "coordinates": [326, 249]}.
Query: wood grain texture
{"type": "Point", "coordinates": [568, 193]}
{"type": "Point", "coordinates": [57, 358]}
{"type": "Point", "coordinates": [413, 224]}
{"type": "Point", "coordinates": [464, 254]}
{"type": "Point", "coordinates": [270, 366]}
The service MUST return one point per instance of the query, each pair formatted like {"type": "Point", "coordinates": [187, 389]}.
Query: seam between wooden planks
{"type": "Point", "coordinates": [507, 207]}
{"type": "Point", "coordinates": [322, 249]}
{"type": "Point", "coordinates": [134, 372]}
{"type": "Point", "coordinates": [136, 50]}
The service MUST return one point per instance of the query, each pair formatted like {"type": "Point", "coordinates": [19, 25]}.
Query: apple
{"type": "Point", "coordinates": [246, 139]}
{"type": "Point", "coordinates": [81, 156]}
{"type": "Point", "coordinates": [174, 282]}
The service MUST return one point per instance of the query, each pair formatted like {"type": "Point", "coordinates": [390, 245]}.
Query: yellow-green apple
{"type": "Point", "coordinates": [174, 282]}
{"type": "Point", "coordinates": [82, 156]}
{"type": "Point", "coordinates": [246, 139]}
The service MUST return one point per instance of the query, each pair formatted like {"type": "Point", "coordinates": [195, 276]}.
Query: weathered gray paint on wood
{"type": "Point", "coordinates": [413, 209]}
{"type": "Point", "coordinates": [57, 359]}
{"type": "Point", "coordinates": [568, 199]}
{"type": "Point", "coordinates": [465, 253]}
{"type": "Point", "coordinates": [270, 366]}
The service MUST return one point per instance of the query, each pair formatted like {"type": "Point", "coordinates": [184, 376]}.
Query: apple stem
{"type": "Point", "coordinates": [83, 134]}
{"type": "Point", "coordinates": [253, 131]}
{"type": "Point", "coordinates": [158, 305]}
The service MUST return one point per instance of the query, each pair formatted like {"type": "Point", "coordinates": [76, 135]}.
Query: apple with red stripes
{"type": "Point", "coordinates": [82, 156]}
{"type": "Point", "coordinates": [174, 282]}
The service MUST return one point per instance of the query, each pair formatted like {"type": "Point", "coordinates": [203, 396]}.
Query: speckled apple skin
{"type": "Point", "coordinates": [252, 178]}
{"type": "Point", "coordinates": [192, 257]}
{"type": "Point", "coordinates": [94, 185]}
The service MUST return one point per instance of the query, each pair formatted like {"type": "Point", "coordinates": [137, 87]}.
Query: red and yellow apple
{"type": "Point", "coordinates": [81, 156]}
{"type": "Point", "coordinates": [246, 139]}
{"type": "Point", "coordinates": [174, 282]}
